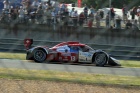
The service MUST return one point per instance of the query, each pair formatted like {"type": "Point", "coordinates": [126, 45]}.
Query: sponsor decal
{"type": "Point", "coordinates": [66, 54]}
{"type": "Point", "coordinates": [86, 54]}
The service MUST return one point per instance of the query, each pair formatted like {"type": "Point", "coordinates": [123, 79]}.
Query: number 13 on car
{"type": "Point", "coordinates": [73, 58]}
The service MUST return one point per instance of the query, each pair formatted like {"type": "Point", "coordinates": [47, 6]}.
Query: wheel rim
{"type": "Point", "coordinates": [100, 59]}
{"type": "Point", "coordinates": [39, 55]}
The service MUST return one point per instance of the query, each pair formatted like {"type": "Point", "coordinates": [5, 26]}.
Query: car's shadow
{"type": "Point", "coordinates": [77, 63]}
{"type": "Point", "coordinates": [80, 64]}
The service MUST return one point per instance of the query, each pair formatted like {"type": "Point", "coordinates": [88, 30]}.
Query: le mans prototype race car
{"type": "Point", "coordinates": [69, 52]}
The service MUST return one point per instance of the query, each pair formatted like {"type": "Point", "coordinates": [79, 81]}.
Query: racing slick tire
{"type": "Point", "coordinates": [39, 55]}
{"type": "Point", "coordinates": [100, 59]}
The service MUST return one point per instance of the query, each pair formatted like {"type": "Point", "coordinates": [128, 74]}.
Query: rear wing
{"type": "Point", "coordinates": [28, 43]}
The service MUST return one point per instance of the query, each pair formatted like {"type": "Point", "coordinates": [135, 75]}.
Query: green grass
{"type": "Point", "coordinates": [130, 63]}
{"type": "Point", "coordinates": [57, 76]}
{"type": "Point", "coordinates": [21, 56]}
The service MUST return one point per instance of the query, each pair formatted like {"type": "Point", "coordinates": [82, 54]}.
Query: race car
{"type": "Point", "coordinates": [70, 51]}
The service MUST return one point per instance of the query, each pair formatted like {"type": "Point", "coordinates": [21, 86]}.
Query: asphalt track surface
{"type": "Point", "coordinates": [22, 64]}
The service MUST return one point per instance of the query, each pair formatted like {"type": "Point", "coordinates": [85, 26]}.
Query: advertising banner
{"type": "Point", "coordinates": [79, 3]}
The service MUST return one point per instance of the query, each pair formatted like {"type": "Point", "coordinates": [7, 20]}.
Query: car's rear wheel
{"type": "Point", "coordinates": [39, 55]}
{"type": "Point", "coordinates": [100, 59]}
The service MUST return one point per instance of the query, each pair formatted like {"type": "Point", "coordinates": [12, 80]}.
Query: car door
{"type": "Point", "coordinates": [85, 55]}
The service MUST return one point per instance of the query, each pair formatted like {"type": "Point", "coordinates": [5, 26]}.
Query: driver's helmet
{"type": "Point", "coordinates": [66, 50]}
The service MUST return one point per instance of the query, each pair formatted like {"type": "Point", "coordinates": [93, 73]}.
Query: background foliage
{"type": "Point", "coordinates": [105, 3]}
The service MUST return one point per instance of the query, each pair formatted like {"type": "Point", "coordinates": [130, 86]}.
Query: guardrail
{"type": "Point", "coordinates": [120, 52]}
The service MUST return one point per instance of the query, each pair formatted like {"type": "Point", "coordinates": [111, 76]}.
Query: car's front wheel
{"type": "Point", "coordinates": [39, 55]}
{"type": "Point", "coordinates": [100, 59]}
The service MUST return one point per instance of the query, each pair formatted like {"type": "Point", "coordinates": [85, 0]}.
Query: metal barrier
{"type": "Point", "coordinates": [120, 52]}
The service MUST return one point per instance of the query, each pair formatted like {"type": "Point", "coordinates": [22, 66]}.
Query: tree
{"type": "Point", "coordinates": [105, 3]}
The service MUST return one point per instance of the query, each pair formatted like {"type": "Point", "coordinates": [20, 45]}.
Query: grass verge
{"type": "Point", "coordinates": [130, 63]}
{"type": "Point", "coordinates": [57, 76]}
{"type": "Point", "coordinates": [66, 76]}
{"type": "Point", "coordinates": [21, 56]}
